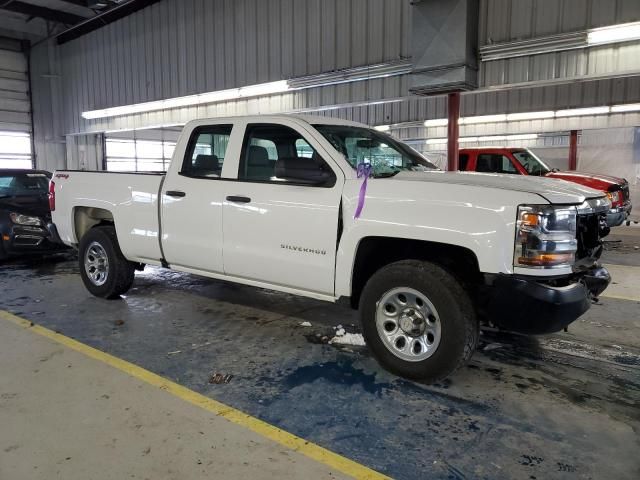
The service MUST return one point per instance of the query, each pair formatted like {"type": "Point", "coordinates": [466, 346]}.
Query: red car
{"type": "Point", "coordinates": [520, 161]}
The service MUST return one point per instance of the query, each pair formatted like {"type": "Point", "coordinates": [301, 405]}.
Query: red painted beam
{"type": "Point", "coordinates": [453, 131]}
{"type": "Point", "coordinates": [573, 149]}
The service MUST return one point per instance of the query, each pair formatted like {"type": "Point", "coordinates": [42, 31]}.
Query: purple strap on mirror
{"type": "Point", "coordinates": [363, 170]}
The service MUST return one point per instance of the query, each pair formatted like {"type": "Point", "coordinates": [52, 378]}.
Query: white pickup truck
{"type": "Point", "coordinates": [334, 210]}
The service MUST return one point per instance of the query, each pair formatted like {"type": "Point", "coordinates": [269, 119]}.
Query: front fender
{"type": "Point", "coordinates": [478, 219]}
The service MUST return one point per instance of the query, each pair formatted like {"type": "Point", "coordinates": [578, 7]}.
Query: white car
{"type": "Point", "coordinates": [334, 210]}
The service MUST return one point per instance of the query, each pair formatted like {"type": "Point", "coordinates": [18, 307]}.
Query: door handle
{"type": "Point", "coordinates": [236, 199]}
{"type": "Point", "coordinates": [175, 193]}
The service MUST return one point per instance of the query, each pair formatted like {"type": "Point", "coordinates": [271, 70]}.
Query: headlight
{"type": "Point", "coordinates": [545, 237]}
{"type": "Point", "coordinates": [614, 197]}
{"type": "Point", "coordinates": [25, 220]}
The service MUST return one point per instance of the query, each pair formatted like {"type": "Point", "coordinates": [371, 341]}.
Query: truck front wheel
{"type": "Point", "coordinates": [418, 320]}
{"type": "Point", "coordinates": [104, 270]}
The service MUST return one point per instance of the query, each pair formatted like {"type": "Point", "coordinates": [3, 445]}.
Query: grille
{"type": "Point", "coordinates": [588, 234]}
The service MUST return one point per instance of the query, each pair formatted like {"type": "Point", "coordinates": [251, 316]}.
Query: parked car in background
{"type": "Point", "coordinates": [25, 218]}
{"type": "Point", "coordinates": [521, 161]}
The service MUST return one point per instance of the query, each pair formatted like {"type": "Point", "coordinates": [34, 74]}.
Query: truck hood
{"type": "Point", "coordinates": [593, 180]}
{"type": "Point", "coordinates": [552, 190]}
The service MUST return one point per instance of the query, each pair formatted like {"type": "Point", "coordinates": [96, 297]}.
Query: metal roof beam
{"type": "Point", "coordinates": [43, 12]}
{"type": "Point", "coordinates": [80, 9]}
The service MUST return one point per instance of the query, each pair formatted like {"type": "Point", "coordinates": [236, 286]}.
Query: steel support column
{"type": "Point", "coordinates": [453, 130]}
{"type": "Point", "coordinates": [573, 149]}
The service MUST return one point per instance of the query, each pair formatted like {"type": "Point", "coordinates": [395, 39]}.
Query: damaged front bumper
{"type": "Point", "coordinates": [531, 305]}
{"type": "Point", "coordinates": [24, 239]}
{"type": "Point", "coordinates": [617, 216]}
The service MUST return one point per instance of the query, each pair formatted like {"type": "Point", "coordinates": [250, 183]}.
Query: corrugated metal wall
{"type": "Point", "coordinates": [85, 152]}
{"type": "Point", "coordinates": [176, 48]}
{"type": "Point", "coordinates": [505, 20]}
{"type": "Point", "coordinates": [46, 97]}
{"type": "Point", "coordinates": [181, 47]}
{"type": "Point", "coordinates": [510, 20]}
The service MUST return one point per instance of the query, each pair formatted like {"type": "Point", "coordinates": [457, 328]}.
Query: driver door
{"type": "Point", "coordinates": [282, 231]}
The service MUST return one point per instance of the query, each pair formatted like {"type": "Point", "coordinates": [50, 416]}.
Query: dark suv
{"type": "Point", "coordinates": [25, 219]}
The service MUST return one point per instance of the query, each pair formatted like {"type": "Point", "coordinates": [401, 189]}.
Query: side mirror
{"type": "Point", "coordinates": [303, 170]}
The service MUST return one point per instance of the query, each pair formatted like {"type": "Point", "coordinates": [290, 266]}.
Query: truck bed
{"type": "Point", "coordinates": [131, 197]}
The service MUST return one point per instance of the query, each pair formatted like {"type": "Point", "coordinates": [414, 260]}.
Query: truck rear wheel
{"type": "Point", "coordinates": [418, 320]}
{"type": "Point", "coordinates": [104, 270]}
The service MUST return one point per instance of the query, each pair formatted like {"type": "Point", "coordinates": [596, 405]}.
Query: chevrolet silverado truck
{"type": "Point", "coordinates": [521, 161]}
{"type": "Point", "coordinates": [336, 211]}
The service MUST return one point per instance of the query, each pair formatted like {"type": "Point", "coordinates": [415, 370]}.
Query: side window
{"type": "Point", "coordinates": [463, 160]}
{"type": "Point", "coordinates": [303, 149]}
{"type": "Point", "coordinates": [206, 151]}
{"type": "Point", "coordinates": [494, 163]}
{"type": "Point", "coordinates": [279, 154]}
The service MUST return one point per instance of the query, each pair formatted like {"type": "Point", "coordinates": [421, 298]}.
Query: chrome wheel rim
{"type": "Point", "coordinates": [96, 264]}
{"type": "Point", "coordinates": [408, 324]}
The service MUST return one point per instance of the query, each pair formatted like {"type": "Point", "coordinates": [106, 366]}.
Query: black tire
{"type": "Point", "coordinates": [119, 272]}
{"type": "Point", "coordinates": [458, 326]}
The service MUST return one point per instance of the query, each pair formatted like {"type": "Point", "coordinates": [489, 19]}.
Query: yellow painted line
{"type": "Point", "coordinates": [297, 444]}
{"type": "Point", "coordinates": [615, 266]}
{"type": "Point", "coordinates": [620, 297]}
{"type": "Point", "coordinates": [625, 284]}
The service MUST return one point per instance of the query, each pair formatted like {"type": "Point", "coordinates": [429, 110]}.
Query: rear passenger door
{"type": "Point", "coordinates": [192, 201]}
{"type": "Point", "coordinates": [281, 222]}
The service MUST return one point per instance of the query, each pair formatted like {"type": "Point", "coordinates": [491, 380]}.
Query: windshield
{"type": "Point", "coordinates": [532, 164]}
{"type": "Point", "coordinates": [35, 183]}
{"type": "Point", "coordinates": [362, 145]}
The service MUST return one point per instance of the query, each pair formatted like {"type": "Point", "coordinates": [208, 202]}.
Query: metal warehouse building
{"type": "Point", "coordinates": [194, 373]}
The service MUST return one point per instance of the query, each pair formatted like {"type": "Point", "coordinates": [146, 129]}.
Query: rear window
{"type": "Point", "coordinates": [23, 184]}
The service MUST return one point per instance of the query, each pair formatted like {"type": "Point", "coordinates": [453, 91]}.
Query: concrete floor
{"type": "Point", "coordinates": [64, 415]}
{"type": "Point", "coordinates": [558, 406]}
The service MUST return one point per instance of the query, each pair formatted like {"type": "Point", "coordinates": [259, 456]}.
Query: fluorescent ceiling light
{"type": "Point", "coordinates": [499, 138]}
{"type": "Point", "coordinates": [9, 133]}
{"type": "Point", "coordinates": [492, 138]}
{"type": "Point", "coordinates": [191, 100]}
{"type": "Point", "coordinates": [510, 117]}
{"type": "Point", "coordinates": [436, 122]}
{"type": "Point", "coordinates": [357, 74]}
{"type": "Point", "coordinates": [629, 107]}
{"type": "Point", "coordinates": [382, 128]}
{"type": "Point", "coordinates": [614, 34]}
{"type": "Point", "coordinates": [264, 89]}
{"type": "Point", "coordinates": [489, 138]}
{"type": "Point", "coordinates": [575, 112]}
{"type": "Point", "coordinates": [523, 136]}
{"type": "Point", "coordinates": [483, 119]}
{"type": "Point", "coordinates": [529, 115]}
